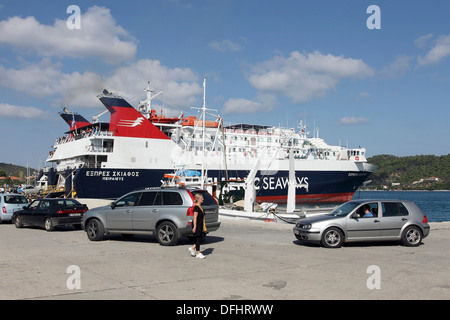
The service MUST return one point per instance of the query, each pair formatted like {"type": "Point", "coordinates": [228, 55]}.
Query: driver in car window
{"type": "Point", "coordinates": [367, 213]}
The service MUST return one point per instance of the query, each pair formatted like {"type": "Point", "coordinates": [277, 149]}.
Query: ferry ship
{"type": "Point", "coordinates": [138, 147]}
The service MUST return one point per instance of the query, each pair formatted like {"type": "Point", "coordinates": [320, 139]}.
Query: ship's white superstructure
{"type": "Point", "coordinates": [137, 144]}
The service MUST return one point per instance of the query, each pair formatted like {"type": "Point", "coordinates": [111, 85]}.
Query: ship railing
{"type": "Point", "coordinates": [83, 134]}
{"type": "Point", "coordinates": [98, 149]}
{"type": "Point", "coordinates": [92, 164]}
{"type": "Point", "coordinates": [63, 140]}
{"type": "Point", "coordinates": [104, 133]}
{"type": "Point", "coordinates": [93, 133]}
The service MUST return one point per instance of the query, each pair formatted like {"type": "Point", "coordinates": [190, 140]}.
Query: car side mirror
{"type": "Point", "coordinates": [355, 215]}
{"type": "Point", "coordinates": [112, 205]}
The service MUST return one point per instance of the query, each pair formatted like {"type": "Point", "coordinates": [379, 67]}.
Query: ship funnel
{"type": "Point", "coordinates": [126, 121]}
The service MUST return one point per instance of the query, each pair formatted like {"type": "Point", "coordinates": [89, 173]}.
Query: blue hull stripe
{"type": "Point", "coordinates": [113, 183]}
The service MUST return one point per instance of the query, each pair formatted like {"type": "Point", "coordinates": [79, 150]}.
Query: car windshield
{"type": "Point", "coordinates": [344, 209]}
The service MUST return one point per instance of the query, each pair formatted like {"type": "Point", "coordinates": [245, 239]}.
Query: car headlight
{"type": "Point", "coordinates": [304, 226]}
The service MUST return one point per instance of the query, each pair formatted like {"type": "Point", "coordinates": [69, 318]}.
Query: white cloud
{"type": "Point", "coordinates": [422, 42]}
{"type": "Point", "coordinates": [353, 120]}
{"type": "Point", "coordinates": [397, 68]}
{"type": "Point", "coordinates": [364, 95]}
{"type": "Point", "coordinates": [181, 86]}
{"type": "Point", "coordinates": [36, 80]}
{"type": "Point", "coordinates": [437, 53]}
{"type": "Point", "coordinates": [13, 111]}
{"type": "Point", "coordinates": [303, 77]}
{"type": "Point", "coordinates": [225, 45]}
{"type": "Point", "coordinates": [98, 37]}
{"type": "Point", "coordinates": [262, 103]}
{"type": "Point", "coordinates": [241, 106]}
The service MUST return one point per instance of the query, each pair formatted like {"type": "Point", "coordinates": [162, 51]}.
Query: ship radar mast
{"type": "Point", "coordinates": [145, 107]}
{"type": "Point", "coordinates": [203, 117]}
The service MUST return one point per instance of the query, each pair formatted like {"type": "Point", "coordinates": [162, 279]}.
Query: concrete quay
{"type": "Point", "coordinates": [244, 260]}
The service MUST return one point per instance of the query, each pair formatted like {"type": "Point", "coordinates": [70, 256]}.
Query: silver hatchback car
{"type": "Point", "coordinates": [10, 202]}
{"type": "Point", "coordinates": [366, 220]}
{"type": "Point", "coordinates": [157, 211]}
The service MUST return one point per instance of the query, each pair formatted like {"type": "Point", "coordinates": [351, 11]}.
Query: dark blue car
{"type": "Point", "coordinates": [50, 213]}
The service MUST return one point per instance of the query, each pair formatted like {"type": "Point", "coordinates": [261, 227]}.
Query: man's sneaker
{"type": "Point", "coordinates": [200, 256]}
{"type": "Point", "coordinates": [192, 251]}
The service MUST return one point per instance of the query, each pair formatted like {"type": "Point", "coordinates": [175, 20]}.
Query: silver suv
{"type": "Point", "coordinates": [158, 211]}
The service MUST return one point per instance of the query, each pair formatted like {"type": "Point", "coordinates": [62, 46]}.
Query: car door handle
{"type": "Point", "coordinates": [128, 211]}
{"type": "Point", "coordinates": [376, 221]}
{"type": "Point", "coordinates": [404, 219]}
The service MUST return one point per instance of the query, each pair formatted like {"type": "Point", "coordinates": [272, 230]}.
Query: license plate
{"type": "Point", "coordinates": [75, 214]}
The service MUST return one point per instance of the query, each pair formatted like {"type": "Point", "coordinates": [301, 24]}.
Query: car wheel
{"type": "Point", "coordinates": [95, 230]}
{"type": "Point", "coordinates": [412, 236]}
{"type": "Point", "coordinates": [48, 224]}
{"type": "Point", "coordinates": [167, 234]}
{"type": "Point", "coordinates": [18, 222]}
{"type": "Point", "coordinates": [332, 238]}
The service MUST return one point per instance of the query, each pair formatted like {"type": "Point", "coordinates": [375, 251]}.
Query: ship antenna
{"type": "Point", "coordinates": [203, 130]}
{"type": "Point", "coordinates": [150, 97]}
{"type": "Point", "coordinates": [204, 110]}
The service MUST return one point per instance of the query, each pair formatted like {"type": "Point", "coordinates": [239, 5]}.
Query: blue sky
{"type": "Point", "coordinates": [266, 62]}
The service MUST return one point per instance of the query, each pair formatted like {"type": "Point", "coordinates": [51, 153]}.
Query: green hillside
{"type": "Point", "coordinates": [9, 169]}
{"type": "Point", "coordinates": [424, 172]}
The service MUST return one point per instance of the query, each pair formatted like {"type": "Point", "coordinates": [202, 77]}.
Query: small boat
{"type": "Point", "coordinates": [182, 178]}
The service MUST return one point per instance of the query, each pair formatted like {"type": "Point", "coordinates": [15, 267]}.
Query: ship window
{"type": "Point", "coordinates": [108, 145]}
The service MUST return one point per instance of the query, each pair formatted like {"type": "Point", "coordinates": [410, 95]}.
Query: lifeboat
{"type": "Point", "coordinates": [193, 121]}
{"type": "Point", "coordinates": [155, 118]}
